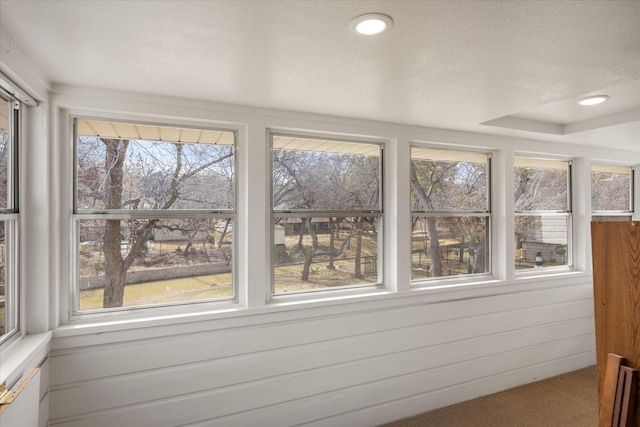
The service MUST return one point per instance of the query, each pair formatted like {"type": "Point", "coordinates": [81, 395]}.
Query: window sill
{"type": "Point", "coordinates": [23, 355]}
{"type": "Point", "coordinates": [455, 290]}
{"type": "Point", "coordinates": [544, 271]}
{"type": "Point", "coordinates": [218, 317]}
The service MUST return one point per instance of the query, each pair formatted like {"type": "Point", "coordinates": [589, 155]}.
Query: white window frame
{"type": "Point", "coordinates": [11, 216]}
{"type": "Point", "coordinates": [313, 213]}
{"type": "Point", "coordinates": [568, 213]}
{"type": "Point", "coordinates": [124, 214]}
{"type": "Point", "coordinates": [632, 178]}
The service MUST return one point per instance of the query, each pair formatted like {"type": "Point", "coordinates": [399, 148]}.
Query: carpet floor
{"type": "Point", "coordinates": [569, 400]}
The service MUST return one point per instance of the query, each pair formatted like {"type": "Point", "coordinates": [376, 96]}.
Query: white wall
{"type": "Point", "coordinates": [338, 359]}
{"type": "Point", "coordinates": [356, 363]}
{"type": "Point", "coordinates": [30, 348]}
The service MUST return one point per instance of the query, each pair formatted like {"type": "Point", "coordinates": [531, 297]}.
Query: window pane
{"type": "Point", "coordinates": [540, 185]}
{"type": "Point", "coordinates": [325, 252]}
{"type": "Point", "coordinates": [347, 177]}
{"type": "Point", "coordinates": [459, 246]}
{"type": "Point", "coordinates": [150, 261]}
{"type": "Point", "coordinates": [9, 242]}
{"type": "Point", "coordinates": [610, 218]}
{"type": "Point", "coordinates": [541, 241]}
{"type": "Point", "coordinates": [448, 181]}
{"type": "Point", "coordinates": [610, 188]}
{"type": "Point", "coordinates": [5, 152]}
{"type": "Point", "coordinates": [8, 278]}
{"type": "Point", "coordinates": [141, 174]}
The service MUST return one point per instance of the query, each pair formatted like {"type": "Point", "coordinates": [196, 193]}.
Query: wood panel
{"type": "Point", "coordinates": [616, 287]}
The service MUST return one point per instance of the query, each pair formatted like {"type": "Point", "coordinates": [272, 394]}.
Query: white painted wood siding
{"type": "Point", "coordinates": [334, 359]}
{"type": "Point", "coordinates": [355, 364]}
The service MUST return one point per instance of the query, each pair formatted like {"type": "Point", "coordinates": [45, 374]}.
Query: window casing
{"type": "Point", "coordinates": [9, 217]}
{"type": "Point", "coordinates": [154, 210]}
{"type": "Point", "coordinates": [542, 223]}
{"type": "Point", "coordinates": [612, 189]}
{"type": "Point", "coordinates": [326, 214]}
{"type": "Point", "coordinates": [451, 213]}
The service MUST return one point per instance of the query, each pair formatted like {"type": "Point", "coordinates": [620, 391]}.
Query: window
{"type": "Point", "coordinates": [450, 213]}
{"type": "Point", "coordinates": [327, 214]}
{"type": "Point", "coordinates": [9, 216]}
{"type": "Point", "coordinates": [153, 215]}
{"type": "Point", "coordinates": [542, 213]}
{"type": "Point", "coordinates": [611, 192]}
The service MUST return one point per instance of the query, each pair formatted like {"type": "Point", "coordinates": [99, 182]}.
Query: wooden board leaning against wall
{"type": "Point", "coordinates": [616, 287]}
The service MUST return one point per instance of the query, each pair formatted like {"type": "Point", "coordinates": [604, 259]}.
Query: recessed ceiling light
{"type": "Point", "coordinates": [371, 23]}
{"type": "Point", "coordinates": [593, 100]}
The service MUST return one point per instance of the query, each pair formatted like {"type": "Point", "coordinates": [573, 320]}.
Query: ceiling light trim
{"type": "Point", "coordinates": [593, 100]}
{"type": "Point", "coordinates": [371, 24]}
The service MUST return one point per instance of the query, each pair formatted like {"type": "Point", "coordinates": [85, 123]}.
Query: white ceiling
{"type": "Point", "coordinates": [513, 65]}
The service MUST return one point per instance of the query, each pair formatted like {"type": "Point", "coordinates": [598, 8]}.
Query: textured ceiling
{"type": "Point", "coordinates": [446, 64]}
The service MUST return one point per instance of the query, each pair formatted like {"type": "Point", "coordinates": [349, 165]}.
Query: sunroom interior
{"type": "Point", "coordinates": [220, 213]}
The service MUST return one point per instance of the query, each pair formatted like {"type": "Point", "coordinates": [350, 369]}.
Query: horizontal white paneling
{"type": "Point", "coordinates": [408, 348]}
{"type": "Point", "coordinates": [270, 334]}
{"type": "Point", "coordinates": [305, 370]}
{"type": "Point", "coordinates": [393, 410]}
{"type": "Point", "coordinates": [413, 405]}
{"type": "Point", "coordinates": [316, 394]}
{"type": "Point", "coordinates": [326, 406]}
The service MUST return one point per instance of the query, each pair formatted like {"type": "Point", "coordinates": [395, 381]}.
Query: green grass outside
{"type": "Point", "coordinates": [288, 277]}
{"type": "Point", "coordinates": [165, 291]}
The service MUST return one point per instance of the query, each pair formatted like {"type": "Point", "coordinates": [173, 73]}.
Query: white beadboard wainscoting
{"type": "Point", "coordinates": [360, 363]}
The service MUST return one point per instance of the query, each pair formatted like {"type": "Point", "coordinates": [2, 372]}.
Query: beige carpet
{"type": "Point", "coordinates": [569, 400]}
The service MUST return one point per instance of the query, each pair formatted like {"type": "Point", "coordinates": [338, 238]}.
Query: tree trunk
{"type": "Point", "coordinates": [301, 235]}
{"type": "Point", "coordinates": [192, 234]}
{"type": "Point", "coordinates": [434, 248]}
{"type": "Point", "coordinates": [308, 259]}
{"type": "Point", "coordinates": [307, 265]}
{"type": "Point", "coordinates": [114, 270]}
{"type": "Point", "coordinates": [332, 225]}
{"type": "Point", "coordinates": [434, 245]}
{"type": "Point", "coordinates": [358, 263]}
{"type": "Point", "coordinates": [224, 232]}
{"type": "Point", "coordinates": [223, 235]}
{"type": "Point", "coordinates": [480, 265]}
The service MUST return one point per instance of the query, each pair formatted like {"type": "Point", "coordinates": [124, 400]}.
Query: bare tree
{"type": "Point", "coordinates": [312, 252]}
{"type": "Point", "coordinates": [457, 187]}
{"type": "Point", "coordinates": [306, 180]}
{"type": "Point", "coordinates": [150, 179]}
{"type": "Point", "coordinates": [424, 196]}
{"type": "Point", "coordinates": [537, 189]}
